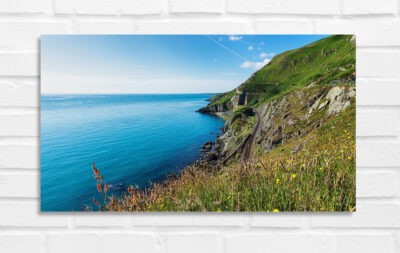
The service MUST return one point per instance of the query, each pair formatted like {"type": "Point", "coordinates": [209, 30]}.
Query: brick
{"type": "Point", "coordinates": [19, 93]}
{"type": "Point", "coordinates": [200, 6]}
{"type": "Point", "coordinates": [26, 34]}
{"type": "Point", "coordinates": [167, 219]}
{"type": "Point", "coordinates": [378, 92]}
{"type": "Point", "coordinates": [283, 26]}
{"type": "Point", "coordinates": [26, 214]}
{"type": "Point", "coordinates": [217, 220]}
{"type": "Point", "coordinates": [87, 7]}
{"type": "Point", "coordinates": [368, 215]}
{"type": "Point", "coordinates": [22, 6]}
{"type": "Point", "coordinates": [369, 32]}
{"type": "Point", "coordinates": [102, 242]}
{"type": "Point", "coordinates": [19, 124]}
{"type": "Point", "coordinates": [21, 243]}
{"type": "Point", "coordinates": [192, 27]}
{"type": "Point", "coordinates": [365, 243]}
{"type": "Point", "coordinates": [109, 7]}
{"type": "Point", "coordinates": [317, 7]}
{"type": "Point", "coordinates": [19, 156]}
{"type": "Point", "coordinates": [284, 220]}
{"type": "Point", "coordinates": [378, 154]}
{"type": "Point", "coordinates": [106, 27]}
{"type": "Point", "coordinates": [19, 185]}
{"type": "Point", "coordinates": [368, 7]}
{"type": "Point", "coordinates": [379, 63]}
{"type": "Point", "coordinates": [19, 64]}
{"type": "Point", "coordinates": [142, 7]}
{"type": "Point", "coordinates": [189, 219]}
{"type": "Point", "coordinates": [278, 242]}
{"type": "Point", "coordinates": [376, 123]}
{"type": "Point", "coordinates": [377, 184]}
{"type": "Point", "coordinates": [101, 220]}
{"type": "Point", "coordinates": [193, 243]}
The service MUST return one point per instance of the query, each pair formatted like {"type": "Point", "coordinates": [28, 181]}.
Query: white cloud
{"type": "Point", "coordinates": [250, 48]}
{"type": "Point", "coordinates": [256, 65]}
{"type": "Point", "coordinates": [235, 37]}
{"type": "Point", "coordinates": [266, 55]}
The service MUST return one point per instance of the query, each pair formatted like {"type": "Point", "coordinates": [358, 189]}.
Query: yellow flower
{"type": "Point", "coordinates": [276, 210]}
{"type": "Point", "coordinates": [277, 181]}
{"type": "Point", "coordinates": [293, 176]}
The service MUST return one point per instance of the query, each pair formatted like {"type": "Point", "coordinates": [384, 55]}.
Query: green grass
{"type": "Point", "coordinates": [329, 59]}
{"type": "Point", "coordinates": [319, 177]}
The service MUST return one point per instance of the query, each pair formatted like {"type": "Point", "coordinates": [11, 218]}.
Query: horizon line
{"type": "Point", "coordinates": [186, 93]}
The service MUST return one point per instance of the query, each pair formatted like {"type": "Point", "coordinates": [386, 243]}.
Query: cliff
{"type": "Point", "coordinates": [288, 143]}
{"type": "Point", "coordinates": [298, 91]}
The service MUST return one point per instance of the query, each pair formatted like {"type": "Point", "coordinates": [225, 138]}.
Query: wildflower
{"type": "Point", "coordinates": [95, 202]}
{"type": "Point", "coordinates": [99, 188]}
{"type": "Point", "coordinates": [293, 176]}
{"type": "Point", "coordinates": [321, 169]}
{"type": "Point", "coordinates": [106, 187]}
{"type": "Point", "coordinates": [277, 181]}
{"type": "Point", "coordinates": [276, 210]}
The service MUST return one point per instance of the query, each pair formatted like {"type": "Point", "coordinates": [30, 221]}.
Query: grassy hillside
{"type": "Point", "coordinates": [291, 147]}
{"type": "Point", "coordinates": [325, 62]}
{"type": "Point", "coordinates": [319, 177]}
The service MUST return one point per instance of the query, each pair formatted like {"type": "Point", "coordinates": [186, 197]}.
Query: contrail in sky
{"type": "Point", "coordinates": [226, 48]}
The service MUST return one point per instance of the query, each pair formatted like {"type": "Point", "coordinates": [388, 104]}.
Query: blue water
{"type": "Point", "coordinates": [133, 139]}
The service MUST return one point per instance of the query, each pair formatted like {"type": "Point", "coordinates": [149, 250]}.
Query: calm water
{"type": "Point", "coordinates": [133, 139]}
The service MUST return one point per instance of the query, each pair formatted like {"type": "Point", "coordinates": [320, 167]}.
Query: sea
{"type": "Point", "coordinates": [132, 139]}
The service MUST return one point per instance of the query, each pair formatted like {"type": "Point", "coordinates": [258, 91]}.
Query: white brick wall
{"type": "Point", "coordinates": [375, 227]}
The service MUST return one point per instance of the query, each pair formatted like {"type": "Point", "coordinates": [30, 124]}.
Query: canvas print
{"type": "Point", "coordinates": [217, 123]}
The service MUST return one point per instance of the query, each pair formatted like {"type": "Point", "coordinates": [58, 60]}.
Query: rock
{"type": "Point", "coordinates": [314, 106]}
{"type": "Point", "coordinates": [239, 98]}
{"type": "Point", "coordinates": [207, 145]}
{"type": "Point", "coordinates": [296, 149]}
{"type": "Point", "coordinates": [338, 99]}
{"type": "Point", "coordinates": [334, 93]}
{"type": "Point", "coordinates": [277, 139]}
{"type": "Point", "coordinates": [323, 105]}
{"type": "Point", "coordinates": [291, 122]}
{"type": "Point", "coordinates": [351, 93]}
{"type": "Point", "coordinates": [212, 156]}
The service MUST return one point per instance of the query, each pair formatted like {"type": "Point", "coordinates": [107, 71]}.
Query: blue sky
{"type": "Point", "coordinates": [157, 63]}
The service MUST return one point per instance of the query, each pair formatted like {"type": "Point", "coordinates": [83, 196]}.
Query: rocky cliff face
{"type": "Point", "coordinates": [298, 113]}
{"type": "Point", "coordinates": [285, 119]}
{"type": "Point", "coordinates": [298, 91]}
